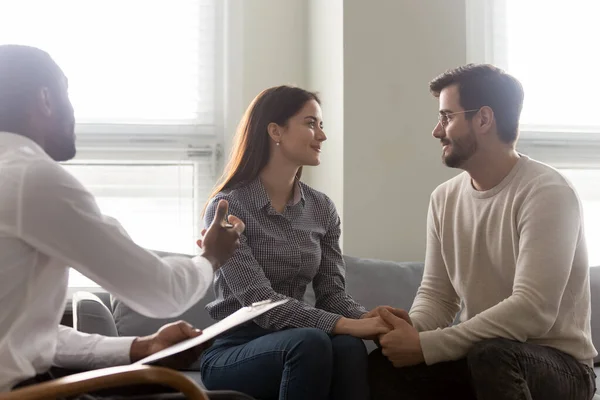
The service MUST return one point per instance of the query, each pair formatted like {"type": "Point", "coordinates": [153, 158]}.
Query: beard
{"type": "Point", "coordinates": [63, 150]}
{"type": "Point", "coordinates": [460, 150]}
{"type": "Point", "coordinates": [60, 143]}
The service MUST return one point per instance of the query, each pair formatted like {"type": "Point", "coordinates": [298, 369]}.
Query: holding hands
{"type": "Point", "coordinates": [364, 328]}
{"type": "Point", "coordinates": [398, 312]}
{"type": "Point", "coordinates": [401, 345]}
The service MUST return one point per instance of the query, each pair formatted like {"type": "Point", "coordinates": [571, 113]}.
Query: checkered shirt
{"type": "Point", "coordinates": [279, 255]}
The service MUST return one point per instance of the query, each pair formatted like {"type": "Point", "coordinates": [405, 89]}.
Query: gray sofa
{"type": "Point", "coordinates": [370, 282]}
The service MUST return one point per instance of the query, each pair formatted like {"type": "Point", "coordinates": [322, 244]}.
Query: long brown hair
{"type": "Point", "coordinates": [250, 151]}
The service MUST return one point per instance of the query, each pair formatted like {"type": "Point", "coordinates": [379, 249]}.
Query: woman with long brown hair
{"type": "Point", "coordinates": [295, 351]}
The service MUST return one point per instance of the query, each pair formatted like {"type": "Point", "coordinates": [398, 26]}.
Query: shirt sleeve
{"type": "Point", "coordinates": [60, 218]}
{"type": "Point", "coordinates": [550, 229]}
{"type": "Point", "coordinates": [436, 303]}
{"type": "Point", "coordinates": [246, 280]}
{"type": "Point", "coordinates": [330, 283]}
{"type": "Point", "coordinates": [82, 351]}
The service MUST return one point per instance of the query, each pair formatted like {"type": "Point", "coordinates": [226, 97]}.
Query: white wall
{"type": "Point", "coordinates": [392, 49]}
{"type": "Point", "coordinates": [267, 46]}
{"type": "Point", "coordinates": [326, 75]}
{"type": "Point", "coordinates": [276, 42]}
{"type": "Point", "coordinates": [372, 62]}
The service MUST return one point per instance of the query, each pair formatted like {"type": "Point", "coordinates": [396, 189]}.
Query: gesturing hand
{"type": "Point", "coordinates": [222, 237]}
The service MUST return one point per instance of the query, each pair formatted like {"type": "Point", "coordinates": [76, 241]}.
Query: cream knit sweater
{"type": "Point", "coordinates": [514, 256]}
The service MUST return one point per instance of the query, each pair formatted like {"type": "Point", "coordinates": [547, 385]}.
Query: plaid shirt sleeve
{"type": "Point", "coordinates": [248, 284]}
{"type": "Point", "coordinates": [330, 283]}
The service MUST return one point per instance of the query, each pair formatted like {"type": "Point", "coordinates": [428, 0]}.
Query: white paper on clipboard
{"type": "Point", "coordinates": [242, 315]}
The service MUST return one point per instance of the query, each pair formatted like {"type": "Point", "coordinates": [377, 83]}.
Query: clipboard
{"type": "Point", "coordinates": [242, 315]}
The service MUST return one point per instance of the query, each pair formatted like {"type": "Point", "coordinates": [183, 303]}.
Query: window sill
{"type": "Point", "coordinates": [562, 148]}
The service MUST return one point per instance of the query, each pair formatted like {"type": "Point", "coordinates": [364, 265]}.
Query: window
{"type": "Point", "coordinates": [555, 61]}
{"type": "Point", "coordinates": [131, 62]}
{"type": "Point", "coordinates": [160, 213]}
{"type": "Point", "coordinates": [145, 81]}
{"type": "Point", "coordinates": [583, 180]}
{"type": "Point", "coordinates": [549, 47]}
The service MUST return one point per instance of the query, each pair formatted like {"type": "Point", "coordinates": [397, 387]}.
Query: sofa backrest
{"type": "Point", "coordinates": [375, 282]}
{"type": "Point", "coordinates": [370, 282]}
{"type": "Point", "coordinates": [131, 323]}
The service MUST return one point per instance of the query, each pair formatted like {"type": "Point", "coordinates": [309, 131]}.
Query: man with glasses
{"type": "Point", "coordinates": [505, 240]}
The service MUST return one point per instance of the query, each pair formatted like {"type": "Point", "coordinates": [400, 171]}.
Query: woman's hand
{"type": "Point", "coordinates": [364, 328]}
{"type": "Point", "coordinates": [398, 312]}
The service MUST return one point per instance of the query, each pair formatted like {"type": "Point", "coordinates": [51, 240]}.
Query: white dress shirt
{"type": "Point", "coordinates": [48, 223]}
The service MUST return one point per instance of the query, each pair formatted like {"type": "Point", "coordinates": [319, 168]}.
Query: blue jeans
{"type": "Point", "coordinates": [300, 363]}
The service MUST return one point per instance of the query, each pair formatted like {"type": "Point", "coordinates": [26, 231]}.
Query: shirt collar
{"type": "Point", "coordinates": [298, 194]}
{"type": "Point", "coordinates": [261, 198]}
{"type": "Point", "coordinates": [16, 140]}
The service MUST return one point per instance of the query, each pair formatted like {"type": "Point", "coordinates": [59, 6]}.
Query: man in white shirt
{"type": "Point", "coordinates": [50, 222]}
{"type": "Point", "coordinates": [505, 240]}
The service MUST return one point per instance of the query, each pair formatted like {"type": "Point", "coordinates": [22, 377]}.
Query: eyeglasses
{"type": "Point", "coordinates": [443, 118]}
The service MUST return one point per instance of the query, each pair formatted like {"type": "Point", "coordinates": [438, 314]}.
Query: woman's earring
{"type": "Point", "coordinates": [277, 143]}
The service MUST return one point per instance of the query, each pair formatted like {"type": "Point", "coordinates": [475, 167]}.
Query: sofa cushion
{"type": "Point", "coordinates": [132, 323]}
{"type": "Point", "coordinates": [91, 315]}
{"type": "Point", "coordinates": [375, 282]}
{"type": "Point", "coordinates": [595, 298]}
{"type": "Point", "coordinates": [104, 298]}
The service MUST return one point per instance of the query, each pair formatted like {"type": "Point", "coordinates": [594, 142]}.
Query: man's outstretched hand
{"type": "Point", "coordinates": [222, 237]}
{"type": "Point", "coordinates": [167, 336]}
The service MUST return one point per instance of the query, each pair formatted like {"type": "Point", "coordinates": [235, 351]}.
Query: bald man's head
{"type": "Point", "coordinates": [34, 100]}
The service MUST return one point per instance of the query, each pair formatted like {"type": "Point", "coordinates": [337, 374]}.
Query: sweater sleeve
{"type": "Point", "coordinates": [436, 303]}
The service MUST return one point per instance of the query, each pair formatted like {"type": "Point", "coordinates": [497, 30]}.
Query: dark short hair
{"type": "Point", "coordinates": [482, 85]}
{"type": "Point", "coordinates": [23, 71]}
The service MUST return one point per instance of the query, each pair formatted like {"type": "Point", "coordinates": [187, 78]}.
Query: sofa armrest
{"type": "Point", "coordinates": [107, 378]}
{"type": "Point", "coordinates": [90, 315]}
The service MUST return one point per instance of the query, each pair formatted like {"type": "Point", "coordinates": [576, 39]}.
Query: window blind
{"type": "Point", "coordinates": [158, 204]}
{"type": "Point", "coordinates": [127, 61]}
